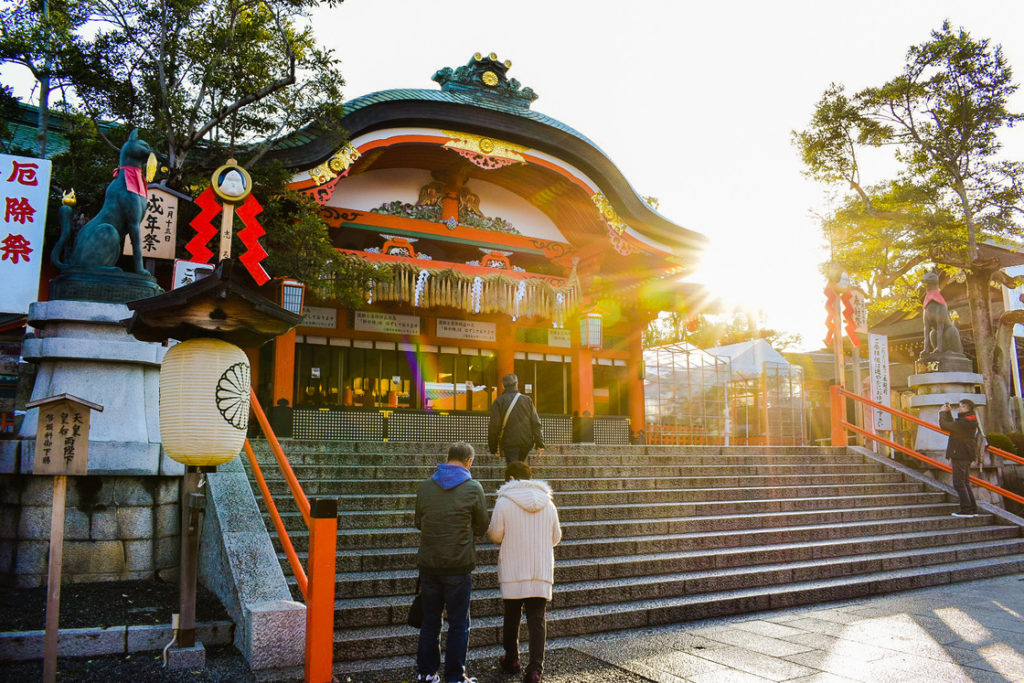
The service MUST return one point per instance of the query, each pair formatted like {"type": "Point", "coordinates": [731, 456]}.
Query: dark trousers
{"type": "Point", "coordinates": [962, 484]}
{"type": "Point", "coordinates": [536, 622]}
{"type": "Point", "coordinates": [451, 593]}
{"type": "Point", "coordinates": [514, 453]}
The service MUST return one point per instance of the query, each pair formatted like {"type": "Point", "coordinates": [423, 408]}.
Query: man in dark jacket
{"type": "Point", "coordinates": [961, 450]}
{"type": "Point", "coordinates": [515, 434]}
{"type": "Point", "coordinates": [450, 511]}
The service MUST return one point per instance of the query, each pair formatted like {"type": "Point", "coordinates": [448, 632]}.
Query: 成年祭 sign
{"type": "Point", "coordinates": [24, 187]}
{"type": "Point", "coordinates": [159, 227]}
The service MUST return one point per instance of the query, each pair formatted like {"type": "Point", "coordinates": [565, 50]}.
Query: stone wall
{"type": "Point", "coordinates": [116, 528]}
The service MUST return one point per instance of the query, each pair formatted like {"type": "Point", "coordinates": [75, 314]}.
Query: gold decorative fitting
{"type": "Point", "coordinates": [68, 198]}
{"type": "Point", "coordinates": [608, 213]}
{"type": "Point", "coordinates": [490, 79]}
{"type": "Point", "coordinates": [477, 56]}
{"type": "Point", "coordinates": [335, 166]}
{"type": "Point", "coordinates": [508, 63]}
{"type": "Point", "coordinates": [493, 56]}
{"type": "Point", "coordinates": [485, 152]}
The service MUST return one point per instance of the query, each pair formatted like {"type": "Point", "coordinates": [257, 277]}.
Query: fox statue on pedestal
{"type": "Point", "coordinates": [97, 244]}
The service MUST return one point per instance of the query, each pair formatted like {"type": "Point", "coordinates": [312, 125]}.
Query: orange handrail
{"type": "Point", "coordinates": [321, 518]}
{"type": "Point", "coordinates": [275, 516]}
{"type": "Point", "coordinates": [839, 420]}
{"type": "Point", "coordinates": [924, 423]}
{"type": "Point", "coordinates": [282, 461]}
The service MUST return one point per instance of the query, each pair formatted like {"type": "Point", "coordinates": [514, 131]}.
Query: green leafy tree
{"type": "Point", "coordinates": [204, 80]}
{"type": "Point", "coordinates": [941, 118]}
{"type": "Point", "coordinates": [42, 36]}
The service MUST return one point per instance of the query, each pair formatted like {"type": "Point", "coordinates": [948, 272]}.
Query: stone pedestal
{"type": "Point", "coordinates": [934, 389]}
{"type": "Point", "coordinates": [81, 348]}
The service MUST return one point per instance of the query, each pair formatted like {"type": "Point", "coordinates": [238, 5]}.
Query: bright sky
{"type": "Point", "coordinates": [694, 101]}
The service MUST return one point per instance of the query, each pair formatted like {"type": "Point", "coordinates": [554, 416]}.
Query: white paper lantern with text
{"type": "Point", "coordinates": [204, 401]}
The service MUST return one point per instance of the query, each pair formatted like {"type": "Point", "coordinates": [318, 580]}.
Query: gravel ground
{"type": "Point", "coordinates": [115, 603]}
{"type": "Point", "coordinates": [226, 664]}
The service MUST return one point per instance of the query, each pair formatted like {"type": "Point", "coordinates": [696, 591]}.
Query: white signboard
{"type": "Point", "coordinates": [24, 187]}
{"type": "Point", "coordinates": [1012, 298]}
{"type": "Point", "coordinates": [878, 364]}
{"type": "Point", "coordinates": [187, 272]}
{"type": "Point", "coordinates": [559, 338]}
{"type": "Point", "coordinates": [159, 227]}
{"type": "Point", "coordinates": [319, 316]}
{"type": "Point", "coordinates": [388, 323]}
{"type": "Point", "coordinates": [471, 330]}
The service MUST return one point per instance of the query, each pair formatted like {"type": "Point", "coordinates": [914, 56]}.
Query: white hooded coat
{"type": "Point", "coordinates": [525, 523]}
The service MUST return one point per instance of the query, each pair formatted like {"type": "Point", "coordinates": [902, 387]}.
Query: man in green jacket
{"type": "Point", "coordinates": [450, 511]}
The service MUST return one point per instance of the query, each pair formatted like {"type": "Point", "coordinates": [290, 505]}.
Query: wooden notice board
{"type": "Point", "coordinates": [62, 435]}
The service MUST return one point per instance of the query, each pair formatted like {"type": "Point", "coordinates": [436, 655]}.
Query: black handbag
{"type": "Point", "coordinates": [415, 618]}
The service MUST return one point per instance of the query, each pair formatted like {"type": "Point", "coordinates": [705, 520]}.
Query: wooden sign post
{"type": "Point", "coordinates": [62, 448]}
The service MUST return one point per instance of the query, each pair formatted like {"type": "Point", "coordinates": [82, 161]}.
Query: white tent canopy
{"type": "Point", "coordinates": [746, 359]}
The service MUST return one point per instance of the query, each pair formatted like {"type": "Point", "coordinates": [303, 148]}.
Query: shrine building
{"type": "Point", "coordinates": [514, 245]}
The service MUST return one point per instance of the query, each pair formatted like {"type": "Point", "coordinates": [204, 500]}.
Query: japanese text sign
{"type": "Point", "coordinates": [24, 187]}
{"type": "Point", "coordinates": [187, 272]}
{"type": "Point", "coordinates": [62, 435]}
{"type": "Point", "coordinates": [159, 227]}
{"type": "Point", "coordinates": [878, 364]}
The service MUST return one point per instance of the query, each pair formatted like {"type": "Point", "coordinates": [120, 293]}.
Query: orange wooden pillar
{"type": "Point", "coordinates": [838, 412]}
{"type": "Point", "coordinates": [583, 382]}
{"type": "Point", "coordinates": [635, 385]}
{"type": "Point", "coordinates": [323, 555]}
{"type": "Point", "coordinates": [284, 368]}
{"type": "Point", "coordinates": [506, 361]}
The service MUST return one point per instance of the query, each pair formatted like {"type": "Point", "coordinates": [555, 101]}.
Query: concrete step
{"type": "Point", "coordinates": [398, 639]}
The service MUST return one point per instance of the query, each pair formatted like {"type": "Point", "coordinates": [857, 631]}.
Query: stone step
{"type": "Point", "coordinates": [406, 501]}
{"type": "Point", "coordinates": [401, 581]}
{"type": "Point", "coordinates": [496, 473]}
{"type": "Point", "coordinates": [390, 608]}
{"type": "Point", "coordinates": [385, 641]}
{"type": "Point", "coordinates": [430, 460]}
{"type": "Point", "coordinates": [438, 450]}
{"type": "Point", "coordinates": [601, 539]}
{"type": "Point", "coordinates": [623, 552]}
{"type": "Point", "coordinates": [391, 486]}
{"type": "Point", "coordinates": [654, 510]}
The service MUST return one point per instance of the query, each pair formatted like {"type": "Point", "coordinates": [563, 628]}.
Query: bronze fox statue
{"type": "Point", "coordinates": [97, 244]}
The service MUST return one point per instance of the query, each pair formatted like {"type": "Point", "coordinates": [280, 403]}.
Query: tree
{"type": "Point", "coordinates": [204, 80]}
{"type": "Point", "coordinates": [709, 331]}
{"type": "Point", "coordinates": [41, 35]}
{"type": "Point", "coordinates": [941, 117]}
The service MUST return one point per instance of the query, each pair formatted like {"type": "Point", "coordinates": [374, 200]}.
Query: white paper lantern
{"type": "Point", "coordinates": [204, 401]}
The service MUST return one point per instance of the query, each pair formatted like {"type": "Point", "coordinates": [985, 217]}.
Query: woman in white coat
{"type": "Point", "coordinates": [525, 524]}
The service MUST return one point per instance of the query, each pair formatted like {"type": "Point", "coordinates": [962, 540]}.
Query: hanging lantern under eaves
{"type": "Point", "coordinates": [204, 401]}
{"type": "Point", "coordinates": [590, 330]}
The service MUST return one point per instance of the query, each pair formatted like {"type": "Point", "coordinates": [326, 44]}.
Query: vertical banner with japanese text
{"type": "Point", "coordinates": [878, 364]}
{"type": "Point", "coordinates": [159, 227]}
{"type": "Point", "coordinates": [24, 188]}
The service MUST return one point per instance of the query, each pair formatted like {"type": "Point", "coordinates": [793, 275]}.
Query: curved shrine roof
{"type": "Point", "coordinates": [478, 98]}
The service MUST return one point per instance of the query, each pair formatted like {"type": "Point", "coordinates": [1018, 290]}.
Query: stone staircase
{"type": "Point", "coordinates": [652, 535]}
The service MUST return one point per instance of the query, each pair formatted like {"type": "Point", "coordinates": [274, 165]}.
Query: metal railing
{"type": "Point", "coordinates": [840, 425]}
{"type": "Point", "coordinates": [317, 588]}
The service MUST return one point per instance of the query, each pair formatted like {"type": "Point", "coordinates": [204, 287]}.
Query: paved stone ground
{"type": "Point", "coordinates": [967, 632]}
{"type": "Point", "coordinates": [961, 632]}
